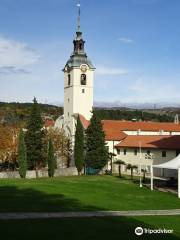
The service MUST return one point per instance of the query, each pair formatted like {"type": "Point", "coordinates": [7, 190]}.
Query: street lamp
{"type": "Point", "coordinates": [150, 157]}
{"type": "Point", "coordinates": [140, 155]}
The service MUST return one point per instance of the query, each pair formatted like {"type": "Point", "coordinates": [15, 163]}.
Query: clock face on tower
{"type": "Point", "coordinates": [83, 68]}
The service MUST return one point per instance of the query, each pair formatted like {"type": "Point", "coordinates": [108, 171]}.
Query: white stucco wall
{"type": "Point", "coordinates": [151, 133]}
{"type": "Point", "coordinates": [157, 158]}
{"type": "Point", "coordinates": [111, 144]}
{"type": "Point", "coordinates": [175, 133]}
{"type": "Point", "coordinates": [75, 100]}
{"type": "Point", "coordinates": [131, 158]}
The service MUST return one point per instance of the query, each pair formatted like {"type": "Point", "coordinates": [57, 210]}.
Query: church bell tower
{"type": "Point", "coordinates": [78, 83]}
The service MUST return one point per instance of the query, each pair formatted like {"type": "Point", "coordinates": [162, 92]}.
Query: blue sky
{"type": "Point", "coordinates": [134, 44]}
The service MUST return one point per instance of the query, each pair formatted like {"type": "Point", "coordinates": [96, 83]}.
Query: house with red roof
{"type": "Point", "coordinates": [141, 143]}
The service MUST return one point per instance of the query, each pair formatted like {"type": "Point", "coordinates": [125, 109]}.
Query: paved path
{"type": "Point", "coordinates": [46, 215]}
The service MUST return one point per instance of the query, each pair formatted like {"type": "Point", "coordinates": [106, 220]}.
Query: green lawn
{"type": "Point", "coordinates": [84, 193]}
{"type": "Point", "coordinates": [89, 228]}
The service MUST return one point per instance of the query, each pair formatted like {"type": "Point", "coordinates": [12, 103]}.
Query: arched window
{"type": "Point", "coordinates": [69, 79]}
{"type": "Point", "coordinates": [83, 79]}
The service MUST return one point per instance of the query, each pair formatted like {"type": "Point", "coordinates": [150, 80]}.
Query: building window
{"type": "Point", "coordinates": [164, 154]}
{"type": "Point", "coordinates": [68, 100]}
{"type": "Point", "coordinates": [148, 152]}
{"type": "Point", "coordinates": [83, 79]}
{"type": "Point", "coordinates": [68, 114]}
{"type": "Point", "coordinates": [118, 151]}
{"type": "Point", "coordinates": [125, 151]}
{"type": "Point", "coordinates": [83, 90]}
{"type": "Point", "coordinates": [69, 79]}
{"type": "Point", "coordinates": [135, 152]}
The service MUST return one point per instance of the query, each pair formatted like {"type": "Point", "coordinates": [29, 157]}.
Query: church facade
{"type": "Point", "coordinates": [136, 143]}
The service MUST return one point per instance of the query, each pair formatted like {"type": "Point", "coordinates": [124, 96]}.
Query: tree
{"type": "Point", "coordinates": [68, 152]}
{"type": "Point", "coordinates": [22, 156]}
{"type": "Point", "coordinates": [111, 155]}
{"type": "Point", "coordinates": [144, 171]}
{"type": "Point", "coordinates": [51, 159]}
{"type": "Point", "coordinates": [8, 143]}
{"type": "Point", "coordinates": [34, 138]}
{"type": "Point", "coordinates": [79, 146]}
{"type": "Point", "coordinates": [61, 144]}
{"type": "Point", "coordinates": [131, 167]}
{"type": "Point", "coordinates": [96, 150]}
{"type": "Point", "coordinates": [120, 163]}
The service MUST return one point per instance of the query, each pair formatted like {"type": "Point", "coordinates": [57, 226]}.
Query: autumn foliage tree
{"type": "Point", "coordinates": [8, 143]}
{"type": "Point", "coordinates": [61, 145]}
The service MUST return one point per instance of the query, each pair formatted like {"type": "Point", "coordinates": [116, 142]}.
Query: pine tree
{"type": "Point", "coordinates": [79, 146]}
{"type": "Point", "coordinates": [34, 138]}
{"type": "Point", "coordinates": [51, 159]}
{"type": "Point", "coordinates": [22, 157]}
{"type": "Point", "coordinates": [96, 152]}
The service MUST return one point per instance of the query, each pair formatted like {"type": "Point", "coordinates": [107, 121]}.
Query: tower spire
{"type": "Point", "coordinates": [79, 16]}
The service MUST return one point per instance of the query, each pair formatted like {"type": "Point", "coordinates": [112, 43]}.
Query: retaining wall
{"type": "Point", "coordinates": [72, 171]}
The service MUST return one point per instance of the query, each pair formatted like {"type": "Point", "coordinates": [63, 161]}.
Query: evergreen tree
{"type": "Point", "coordinates": [96, 152]}
{"type": "Point", "coordinates": [34, 138]}
{"type": "Point", "coordinates": [51, 159]}
{"type": "Point", "coordinates": [79, 146]}
{"type": "Point", "coordinates": [22, 157]}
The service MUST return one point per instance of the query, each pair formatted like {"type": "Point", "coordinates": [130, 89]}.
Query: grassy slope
{"type": "Point", "coordinates": [88, 229]}
{"type": "Point", "coordinates": [80, 193]}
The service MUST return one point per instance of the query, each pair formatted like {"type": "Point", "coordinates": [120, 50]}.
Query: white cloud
{"type": "Point", "coordinates": [110, 71]}
{"type": "Point", "coordinates": [125, 40]}
{"type": "Point", "coordinates": [14, 56]}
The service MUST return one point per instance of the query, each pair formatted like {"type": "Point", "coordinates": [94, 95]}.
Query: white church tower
{"type": "Point", "coordinates": [78, 84]}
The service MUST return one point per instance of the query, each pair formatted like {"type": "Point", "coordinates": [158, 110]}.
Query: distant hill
{"type": "Point", "coordinates": [135, 114]}
{"type": "Point", "coordinates": [17, 113]}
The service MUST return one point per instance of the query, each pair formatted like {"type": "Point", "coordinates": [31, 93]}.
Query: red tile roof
{"type": "Point", "coordinates": [49, 123]}
{"type": "Point", "coordinates": [114, 129]}
{"type": "Point", "coordinates": [84, 121]}
{"type": "Point", "coordinates": [160, 142]}
{"type": "Point", "coordinates": [111, 134]}
{"type": "Point", "coordinates": [143, 126]}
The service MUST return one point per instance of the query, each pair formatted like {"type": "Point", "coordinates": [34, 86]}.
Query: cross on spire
{"type": "Point", "coordinates": [79, 16]}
